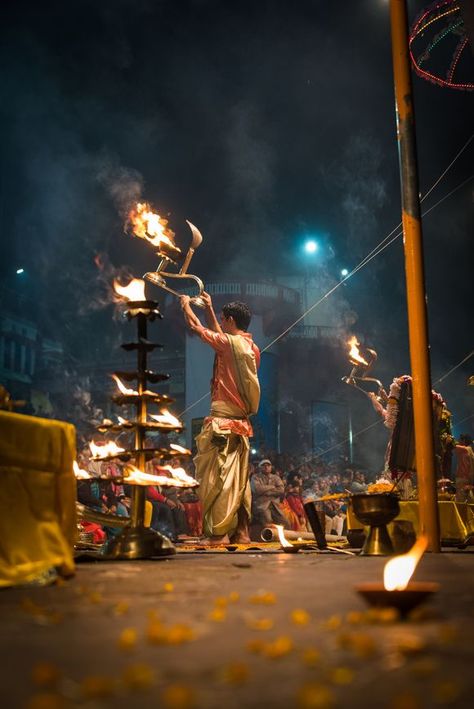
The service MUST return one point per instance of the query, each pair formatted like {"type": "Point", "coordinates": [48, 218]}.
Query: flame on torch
{"type": "Point", "coordinates": [399, 570]}
{"type": "Point", "coordinates": [135, 290]}
{"type": "Point", "coordinates": [354, 355]}
{"type": "Point", "coordinates": [79, 473]}
{"type": "Point", "coordinates": [167, 419]}
{"type": "Point", "coordinates": [148, 225]}
{"type": "Point", "coordinates": [105, 450]}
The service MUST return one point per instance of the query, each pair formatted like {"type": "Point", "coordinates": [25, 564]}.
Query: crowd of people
{"type": "Point", "coordinates": [280, 485]}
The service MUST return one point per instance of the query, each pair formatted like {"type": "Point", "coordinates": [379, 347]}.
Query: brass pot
{"type": "Point", "coordinates": [376, 511]}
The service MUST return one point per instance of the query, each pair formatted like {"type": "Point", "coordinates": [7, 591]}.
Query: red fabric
{"type": "Point", "coordinates": [193, 512]}
{"type": "Point", "coordinates": [153, 494]}
{"type": "Point", "coordinates": [99, 534]}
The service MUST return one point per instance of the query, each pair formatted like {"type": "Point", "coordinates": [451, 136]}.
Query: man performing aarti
{"type": "Point", "coordinates": [223, 444]}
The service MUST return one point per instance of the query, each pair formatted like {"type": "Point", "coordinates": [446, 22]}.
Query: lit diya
{"type": "Point", "coordinates": [287, 546]}
{"type": "Point", "coordinates": [397, 591]}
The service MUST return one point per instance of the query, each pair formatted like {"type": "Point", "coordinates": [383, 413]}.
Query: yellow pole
{"type": "Point", "coordinates": [415, 280]}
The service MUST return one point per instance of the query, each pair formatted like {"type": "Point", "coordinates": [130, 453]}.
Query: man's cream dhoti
{"type": "Point", "coordinates": [222, 469]}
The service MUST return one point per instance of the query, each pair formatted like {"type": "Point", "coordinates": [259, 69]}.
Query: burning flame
{"type": "Point", "coordinates": [134, 291]}
{"type": "Point", "coordinates": [104, 450]}
{"type": "Point", "coordinates": [150, 226]}
{"type": "Point", "coordinates": [354, 354]}
{"type": "Point", "coordinates": [79, 472]}
{"type": "Point", "coordinates": [281, 536]}
{"type": "Point", "coordinates": [167, 419]}
{"type": "Point", "coordinates": [399, 570]}
{"type": "Point", "coordinates": [123, 388]}
{"type": "Point", "coordinates": [180, 449]}
{"type": "Point", "coordinates": [179, 478]}
{"type": "Point", "coordinates": [129, 392]}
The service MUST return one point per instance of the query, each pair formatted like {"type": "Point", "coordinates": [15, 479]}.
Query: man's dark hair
{"type": "Point", "coordinates": [240, 312]}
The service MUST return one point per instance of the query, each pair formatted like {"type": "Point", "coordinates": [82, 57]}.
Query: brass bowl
{"type": "Point", "coordinates": [376, 511]}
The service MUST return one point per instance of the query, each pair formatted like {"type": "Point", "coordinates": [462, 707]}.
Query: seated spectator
{"type": "Point", "coordinates": [335, 516]}
{"type": "Point", "coordinates": [268, 491]}
{"type": "Point", "coordinates": [193, 511]}
{"type": "Point", "coordinates": [358, 484]}
{"type": "Point", "coordinates": [294, 488]}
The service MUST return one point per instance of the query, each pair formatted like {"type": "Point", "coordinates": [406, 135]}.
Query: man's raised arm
{"type": "Point", "coordinates": [190, 318]}
{"type": "Point", "coordinates": [211, 319]}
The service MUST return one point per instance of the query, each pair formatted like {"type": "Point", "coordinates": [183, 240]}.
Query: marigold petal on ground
{"type": "Point", "coordinates": [128, 639]}
{"type": "Point", "coordinates": [256, 646]}
{"type": "Point", "coordinates": [168, 587]}
{"type": "Point", "coordinates": [97, 687]}
{"type": "Point", "coordinates": [236, 673]}
{"type": "Point", "coordinates": [234, 597]}
{"type": "Point", "coordinates": [280, 647]}
{"type": "Point", "coordinates": [259, 623]}
{"type": "Point", "coordinates": [138, 676]}
{"type": "Point", "coordinates": [218, 615]}
{"type": "Point", "coordinates": [311, 657]}
{"type": "Point", "coordinates": [121, 608]}
{"type": "Point", "coordinates": [264, 598]}
{"type": "Point", "coordinates": [334, 622]}
{"type": "Point", "coordinates": [341, 675]}
{"type": "Point", "coordinates": [46, 700]}
{"type": "Point", "coordinates": [45, 674]}
{"type": "Point", "coordinates": [299, 616]}
{"type": "Point", "coordinates": [178, 696]}
{"type": "Point", "coordinates": [315, 696]}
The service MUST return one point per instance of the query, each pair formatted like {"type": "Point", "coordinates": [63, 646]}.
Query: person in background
{"type": "Point", "coordinates": [268, 491]}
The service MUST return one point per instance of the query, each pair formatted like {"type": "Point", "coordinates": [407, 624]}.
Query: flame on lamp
{"type": "Point", "coordinates": [148, 225]}
{"type": "Point", "coordinates": [281, 536]}
{"type": "Point", "coordinates": [123, 388]}
{"type": "Point", "coordinates": [178, 477]}
{"type": "Point", "coordinates": [105, 449]}
{"type": "Point", "coordinates": [180, 449]}
{"type": "Point", "coordinates": [354, 354]}
{"type": "Point", "coordinates": [135, 290]}
{"type": "Point", "coordinates": [399, 570]}
{"type": "Point", "coordinates": [167, 419]}
{"type": "Point", "coordinates": [79, 473]}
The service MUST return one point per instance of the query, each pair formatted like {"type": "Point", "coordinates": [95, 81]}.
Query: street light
{"type": "Point", "coordinates": [19, 271]}
{"type": "Point", "coordinates": [344, 272]}
{"type": "Point", "coordinates": [311, 246]}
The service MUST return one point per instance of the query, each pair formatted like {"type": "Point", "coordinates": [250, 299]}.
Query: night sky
{"type": "Point", "coordinates": [262, 122]}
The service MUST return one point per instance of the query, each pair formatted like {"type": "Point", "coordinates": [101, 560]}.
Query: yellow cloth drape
{"type": "Point", "coordinates": [37, 497]}
{"type": "Point", "coordinates": [456, 519]}
{"type": "Point", "coordinates": [222, 471]}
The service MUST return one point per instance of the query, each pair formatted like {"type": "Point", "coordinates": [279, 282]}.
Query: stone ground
{"type": "Point", "coordinates": [228, 630]}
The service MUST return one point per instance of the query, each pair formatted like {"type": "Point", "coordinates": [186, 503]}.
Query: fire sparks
{"type": "Point", "coordinates": [177, 477]}
{"type": "Point", "coordinates": [399, 570]}
{"type": "Point", "coordinates": [79, 473]}
{"type": "Point", "coordinates": [354, 355]}
{"type": "Point", "coordinates": [148, 225]}
{"type": "Point", "coordinates": [104, 450]}
{"type": "Point", "coordinates": [134, 291]}
{"type": "Point", "coordinates": [167, 419]}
